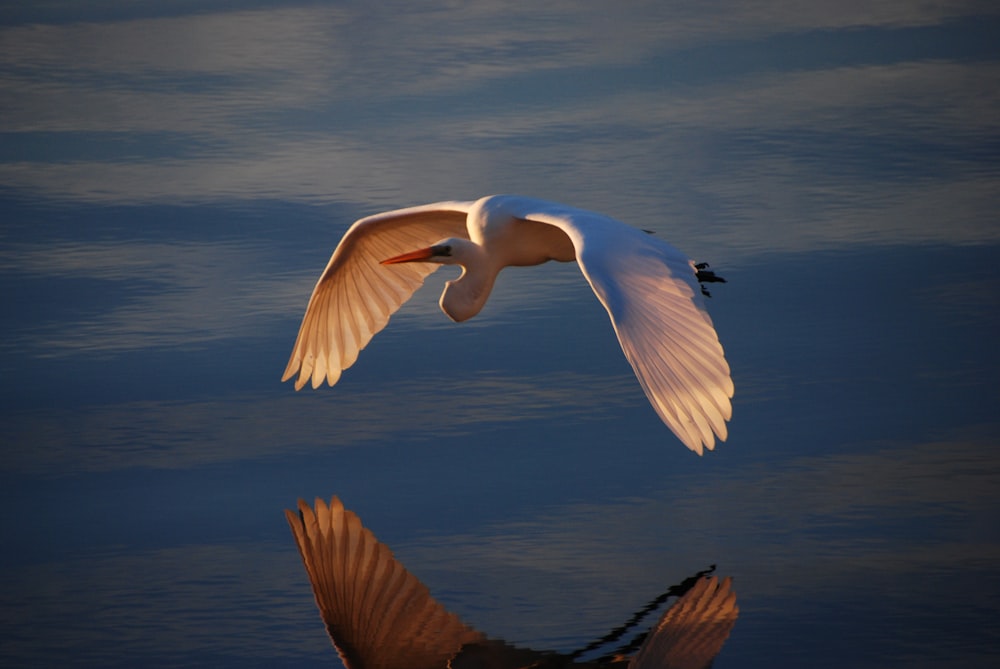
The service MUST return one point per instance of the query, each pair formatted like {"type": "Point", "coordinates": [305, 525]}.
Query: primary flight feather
{"type": "Point", "coordinates": [650, 290]}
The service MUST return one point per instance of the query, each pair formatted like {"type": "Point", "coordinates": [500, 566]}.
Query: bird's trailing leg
{"type": "Point", "coordinates": [705, 275]}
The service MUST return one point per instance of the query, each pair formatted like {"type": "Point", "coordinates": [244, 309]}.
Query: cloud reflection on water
{"type": "Point", "coordinates": [812, 196]}
{"type": "Point", "coordinates": [189, 434]}
{"type": "Point", "coordinates": [182, 294]}
{"type": "Point", "coordinates": [123, 606]}
{"type": "Point", "coordinates": [269, 106]}
{"type": "Point", "coordinates": [153, 294]}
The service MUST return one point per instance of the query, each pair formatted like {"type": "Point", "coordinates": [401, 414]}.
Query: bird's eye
{"type": "Point", "coordinates": [443, 250]}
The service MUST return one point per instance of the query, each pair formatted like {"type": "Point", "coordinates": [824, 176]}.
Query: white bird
{"type": "Point", "coordinates": [650, 290]}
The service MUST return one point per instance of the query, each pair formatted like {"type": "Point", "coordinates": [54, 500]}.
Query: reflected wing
{"type": "Point", "coordinates": [377, 613]}
{"type": "Point", "coordinates": [691, 632]}
{"type": "Point", "coordinates": [355, 295]}
{"type": "Point", "coordinates": [652, 295]}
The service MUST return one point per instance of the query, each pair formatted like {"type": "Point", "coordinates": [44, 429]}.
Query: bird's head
{"type": "Point", "coordinates": [442, 253]}
{"type": "Point", "coordinates": [465, 296]}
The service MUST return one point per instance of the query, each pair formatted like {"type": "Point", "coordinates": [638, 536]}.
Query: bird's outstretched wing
{"type": "Point", "coordinates": [652, 295]}
{"type": "Point", "coordinates": [377, 613]}
{"type": "Point", "coordinates": [355, 295]}
{"type": "Point", "coordinates": [691, 632]}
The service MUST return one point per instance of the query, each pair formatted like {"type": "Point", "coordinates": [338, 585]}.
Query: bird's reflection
{"type": "Point", "coordinates": [380, 616]}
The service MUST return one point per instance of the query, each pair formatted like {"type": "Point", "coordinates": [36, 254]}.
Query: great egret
{"type": "Point", "coordinates": [650, 289]}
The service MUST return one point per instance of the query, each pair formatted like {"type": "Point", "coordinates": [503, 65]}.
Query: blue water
{"type": "Point", "coordinates": [173, 179]}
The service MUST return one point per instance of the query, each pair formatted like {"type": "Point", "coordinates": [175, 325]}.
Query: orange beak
{"type": "Point", "coordinates": [412, 256]}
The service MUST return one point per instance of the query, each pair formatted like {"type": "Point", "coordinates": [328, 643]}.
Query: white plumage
{"type": "Point", "coordinates": [649, 288]}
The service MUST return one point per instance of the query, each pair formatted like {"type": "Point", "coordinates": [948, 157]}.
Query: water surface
{"type": "Point", "coordinates": [173, 179]}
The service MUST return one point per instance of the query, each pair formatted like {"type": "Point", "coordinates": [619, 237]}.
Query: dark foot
{"type": "Point", "coordinates": [705, 275]}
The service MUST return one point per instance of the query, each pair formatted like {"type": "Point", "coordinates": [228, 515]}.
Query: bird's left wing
{"type": "Point", "coordinates": [355, 295]}
{"type": "Point", "coordinates": [652, 295]}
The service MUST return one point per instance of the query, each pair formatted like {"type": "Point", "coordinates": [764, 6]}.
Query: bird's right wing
{"type": "Point", "coordinates": [355, 295]}
{"type": "Point", "coordinates": [377, 613]}
{"type": "Point", "coordinates": [652, 295]}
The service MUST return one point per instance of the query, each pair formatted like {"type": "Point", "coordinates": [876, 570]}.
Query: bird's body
{"type": "Point", "coordinates": [649, 288]}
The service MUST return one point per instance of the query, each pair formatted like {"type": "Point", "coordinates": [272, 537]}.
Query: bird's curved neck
{"type": "Point", "coordinates": [466, 296]}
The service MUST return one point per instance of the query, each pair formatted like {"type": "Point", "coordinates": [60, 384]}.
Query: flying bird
{"type": "Point", "coordinates": [651, 291]}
